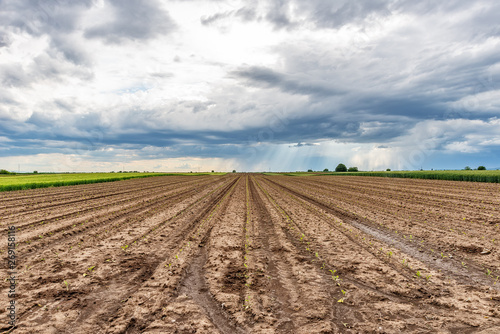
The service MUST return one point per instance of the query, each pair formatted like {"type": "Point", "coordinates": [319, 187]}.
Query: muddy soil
{"type": "Point", "coordinates": [249, 253]}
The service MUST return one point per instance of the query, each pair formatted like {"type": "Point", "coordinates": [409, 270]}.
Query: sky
{"type": "Point", "coordinates": [280, 85]}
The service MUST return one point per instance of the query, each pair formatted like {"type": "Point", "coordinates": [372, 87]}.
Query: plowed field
{"type": "Point", "coordinates": [248, 253]}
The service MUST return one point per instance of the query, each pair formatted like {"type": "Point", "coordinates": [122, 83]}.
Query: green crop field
{"type": "Point", "coordinates": [452, 175]}
{"type": "Point", "coordinates": [31, 181]}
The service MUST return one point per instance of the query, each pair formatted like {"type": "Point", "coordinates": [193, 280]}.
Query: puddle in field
{"type": "Point", "coordinates": [450, 266]}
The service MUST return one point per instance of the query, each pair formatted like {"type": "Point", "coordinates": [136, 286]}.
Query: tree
{"type": "Point", "coordinates": [309, 170]}
{"type": "Point", "coordinates": [325, 170]}
{"type": "Point", "coordinates": [212, 170]}
{"type": "Point", "coordinates": [467, 168]}
{"type": "Point", "coordinates": [341, 168]}
{"type": "Point", "coordinates": [35, 172]}
{"type": "Point", "coordinates": [481, 168]}
{"type": "Point", "coordinates": [388, 170]}
{"type": "Point", "coordinates": [234, 170]}
{"type": "Point", "coordinates": [352, 169]}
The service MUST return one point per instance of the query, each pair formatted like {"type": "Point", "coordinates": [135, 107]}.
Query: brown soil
{"type": "Point", "coordinates": [249, 253]}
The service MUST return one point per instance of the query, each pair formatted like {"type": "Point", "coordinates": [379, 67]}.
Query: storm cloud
{"type": "Point", "coordinates": [133, 20]}
{"type": "Point", "coordinates": [285, 84]}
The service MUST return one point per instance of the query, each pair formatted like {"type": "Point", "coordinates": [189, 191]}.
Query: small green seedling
{"type": "Point", "coordinates": [67, 285]}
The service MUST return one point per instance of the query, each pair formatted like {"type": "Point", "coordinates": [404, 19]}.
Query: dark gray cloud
{"type": "Point", "coordinates": [70, 49]}
{"type": "Point", "coordinates": [4, 40]}
{"type": "Point", "coordinates": [334, 14]}
{"type": "Point", "coordinates": [208, 20]}
{"type": "Point", "coordinates": [133, 20]}
{"type": "Point", "coordinates": [6, 98]}
{"type": "Point", "coordinates": [295, 84]}
{"type": "Point", "coordinates": [290, 14]}
{"type": "Point", "coordinates": [38, 17]}
{"type": "Point", "coordinates": [13, 76]}
{"type": "Point", "coordinates": [320, 13]}
{"type": "Point", "coordinates": [302, 144]}
{"type": "Point", "coordinates": [246, 14]}
{"type": "Point", "coordinates": [279, 14]}
{"type": "Point", "coordinates": [42, 67]}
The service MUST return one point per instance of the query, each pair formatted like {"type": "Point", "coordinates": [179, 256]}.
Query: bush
{"type": "Point", "coordinates": [481, 168]}
{"type": "Point", "coordinates": [309, 170]}
{"type": "Point", "coordinates": [352, 169]}
{"type": "Point", "coordinates": [467, 168]}
{"type": "Point", "coordinates": [341, 168]}
{"type": "Point", "coordinates": [388, 170]}
{"type": "Point", "coordinates": [325, 170]}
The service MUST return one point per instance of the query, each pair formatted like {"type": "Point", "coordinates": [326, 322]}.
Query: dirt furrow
{"type": "Point", "coordinates": [40, 195]}
{"type": "Point", "coordinates": [50, 215]}
{"type": "Point", "coordinates": [98, 222]}
{"type": "Point", "coordinates": [90, 200]}
{"type": "Point", "coordinates": [282, 313]}
{"type": "Point", "coordinates": [194, 286]}
{"type": "Point", "coordinates": [309, 287]}
{"type": "Point", "coordinates": [365, 284]}
{"type": "Point", "coordinates": [116, 271]}
{"type": "Point", "coordinates": [173, 260]}
{"type": "Point", "coordinates": [418, 249]}
{"type": "Point", "coordinates": [419, 214]}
